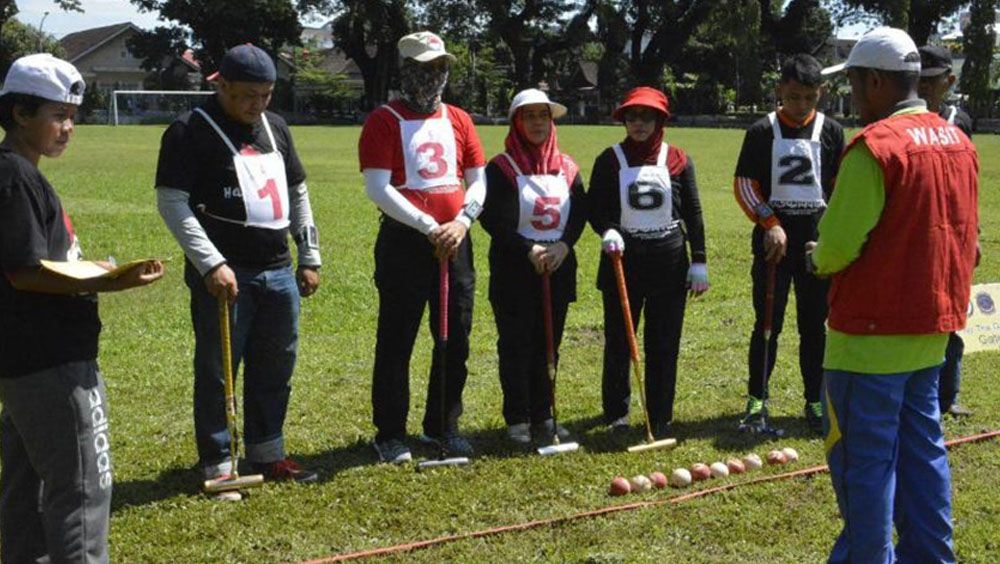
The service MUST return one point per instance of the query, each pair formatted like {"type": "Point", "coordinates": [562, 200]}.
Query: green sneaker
{"type": "Point", "coordinates": [756, 415]}
{"type": "Point", "coordinates": [814, 416]}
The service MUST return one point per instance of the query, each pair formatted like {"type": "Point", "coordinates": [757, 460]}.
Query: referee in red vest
{"type": "Point", "coordinates": [899, 240]}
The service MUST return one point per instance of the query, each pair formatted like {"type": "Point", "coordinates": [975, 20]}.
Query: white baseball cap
{"type": "Point", "coordinates": [422, 46]}
{"type": "Point", "coordinates": [884, 48]}
{"type": "Point", "coordinates": [45, 76]}
{"type": "Point", "coordinates": [535, 96]}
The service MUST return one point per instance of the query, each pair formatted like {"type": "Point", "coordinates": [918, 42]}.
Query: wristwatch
{"type": "Point", "coordinates": [763, 211]}
{"type": "Point", "coordinates": [472, 210]}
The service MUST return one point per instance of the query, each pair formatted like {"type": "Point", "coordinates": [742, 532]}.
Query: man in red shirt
{"type": "Point", "coordinates": [899, 241]}
{"type": "Point", "coordinates": [415, 153]}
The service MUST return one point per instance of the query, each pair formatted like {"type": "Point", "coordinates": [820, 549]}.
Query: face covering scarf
{"type": "Point", "coordinates": [421, 85]}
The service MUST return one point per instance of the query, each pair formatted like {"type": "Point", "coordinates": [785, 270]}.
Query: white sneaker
{"type": "Point", "coordinates": [546, 429]}
{"type": "Point", "coordinates": [619, 425]}
{"type": "Point", "coordinates": [228, 496]}
{"type": "Point", "coordinates": [519, 433]}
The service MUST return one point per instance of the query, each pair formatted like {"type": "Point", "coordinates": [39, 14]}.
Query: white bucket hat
{"type": "Point", "coordinates": [884, 48]}
{"type": "Point", "coordinates": [535, 96]}
{"type": "Point", "coordinates": [423, 46]}
{"type": "Point", "coordinates": [45, 76]}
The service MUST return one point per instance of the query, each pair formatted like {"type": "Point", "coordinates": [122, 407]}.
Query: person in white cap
{"type": "Point", "coordinates": [54, 424]}
{"type": "Point", "coordinates": [899, 240]}
{"type": "Point", "coordinates": [535, 212]}
{"type": "Point", "coordinates": [415, 153]}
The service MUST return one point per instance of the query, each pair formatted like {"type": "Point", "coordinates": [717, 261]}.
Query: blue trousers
{"type": "Point", "coordinates": [888, 464]}
{"type": "Point", "coordinates": [264, 332]}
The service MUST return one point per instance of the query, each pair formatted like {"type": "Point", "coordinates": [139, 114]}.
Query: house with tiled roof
{"type": "Point", "coordinates": [105, 61]}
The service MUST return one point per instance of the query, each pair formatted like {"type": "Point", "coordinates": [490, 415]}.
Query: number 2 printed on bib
{"type": "Point", "coordinates": [796, 177]}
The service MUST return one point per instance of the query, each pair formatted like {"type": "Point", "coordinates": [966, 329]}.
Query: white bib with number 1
{"type": "Point", "coordinates": [263, 184]}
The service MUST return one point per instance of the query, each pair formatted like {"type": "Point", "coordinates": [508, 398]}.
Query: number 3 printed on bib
{"type": "Point", "coordinates": [432, 153]}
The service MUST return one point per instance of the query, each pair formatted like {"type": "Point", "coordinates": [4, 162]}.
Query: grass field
{"type": "Point", "coordinates": [106, 182]}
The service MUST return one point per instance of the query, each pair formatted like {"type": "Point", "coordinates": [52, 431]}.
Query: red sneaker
{"type": "Point", "coordinates": [285, 470]}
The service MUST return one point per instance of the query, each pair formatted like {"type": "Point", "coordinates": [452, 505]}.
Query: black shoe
{"type": "Point", "coordinates": [663, 430]}
{"type": "Point", "coordinates": [814, 417]}
{"type": "Point", "coordinates": [284, 471]}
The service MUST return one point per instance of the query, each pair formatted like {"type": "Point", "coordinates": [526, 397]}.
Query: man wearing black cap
{"type": "Point", "coordinates": [230, 187]}
{"type": "Point", "coordinates": [936, 79]}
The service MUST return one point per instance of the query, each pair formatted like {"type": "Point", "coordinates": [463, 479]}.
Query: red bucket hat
{"type": "Point", "coordinates": [643, 96]}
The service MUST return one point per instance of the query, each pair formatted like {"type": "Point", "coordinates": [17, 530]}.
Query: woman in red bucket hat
{"type": "Point", "coordinates": [644, 204]}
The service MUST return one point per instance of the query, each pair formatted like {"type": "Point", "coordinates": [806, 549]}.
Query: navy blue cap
{"type": "Point", "coordinates": [246, 63]}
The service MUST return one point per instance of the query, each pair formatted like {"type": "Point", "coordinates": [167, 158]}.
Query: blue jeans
{"type": "Point", "coordinates": [264, 331]}
{"type": "Point", "coordinates": [888, 464]}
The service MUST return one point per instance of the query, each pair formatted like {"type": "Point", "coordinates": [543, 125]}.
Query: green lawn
{"type": "Point", "coordinates": [106, 182]}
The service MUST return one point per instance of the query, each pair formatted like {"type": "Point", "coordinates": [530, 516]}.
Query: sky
{"type": "Point", "coordinates": [99, 13]}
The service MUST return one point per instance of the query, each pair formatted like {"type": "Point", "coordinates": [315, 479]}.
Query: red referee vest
{"type": "Point", "coordinates": [915, 270]}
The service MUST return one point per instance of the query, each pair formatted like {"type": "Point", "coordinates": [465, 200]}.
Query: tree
{"type": "Point", "coordinates": [979, 39]}
{"type": "Point", "coordinates": [657, 31]}
{"type": "Point", "coordinates": [367, 32]}
{"type": "Point", "coordinates": [919, 18]}
{"type": "Point", "coordinates": [18, 39]}
{"type": "Point", "coordinates": [8, 9]}
{"type": "Point", "coordinates": [159, 50]}
{"type": "Point", "coordinates": [217, 25]}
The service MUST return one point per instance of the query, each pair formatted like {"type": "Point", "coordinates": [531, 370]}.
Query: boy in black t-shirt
{"type": "Point", "coordinates": [231, 189]}
{"type": "Point", "coordinates": [784, 179]}
{"type": "Point", "coordinates": [54, 424]}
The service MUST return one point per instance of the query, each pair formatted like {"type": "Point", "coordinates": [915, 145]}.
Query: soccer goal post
{"type": "Point", "coordinates": [152, 106]}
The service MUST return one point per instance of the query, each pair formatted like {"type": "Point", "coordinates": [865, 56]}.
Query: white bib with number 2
{"type": "Point", "coordinates": [262, 181]}
{"type": "Point", "coordinates": [544, 204]}
{"type": "Point", "coordinates": [429, 152]}
{"type": "Point", "coordinates": [795, 168]}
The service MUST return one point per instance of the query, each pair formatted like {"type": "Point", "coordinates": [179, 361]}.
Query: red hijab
{"type": "Point", "coordinates": [534, 159]}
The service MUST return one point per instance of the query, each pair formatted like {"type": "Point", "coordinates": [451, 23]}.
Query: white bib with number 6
{"type": "Point", "coordinates": [262, 181]}
{"type": "Point", "coordinates": [544, 203]}
{"type": "Point", "coordinates": [429, 152]}
{"type": "Point", "coordinates": [645, 195]}
{"type": "Point", "coordinates": [796, 173]}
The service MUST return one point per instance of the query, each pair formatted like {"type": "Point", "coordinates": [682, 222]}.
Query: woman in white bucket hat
{"type": "Point", "coordinates": [535, 212]}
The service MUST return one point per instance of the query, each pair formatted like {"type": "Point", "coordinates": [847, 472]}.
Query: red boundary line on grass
{"type": "Point", "coordinates": [408, 547]}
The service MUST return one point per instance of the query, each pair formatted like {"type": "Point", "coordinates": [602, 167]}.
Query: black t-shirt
{"type": "Point", "coordinates": [195, 159]}
{"type": "Point", "coordinates": [755, 163]}
{"type": "Point", "coordinates": [962, 120]}
{"type": "Point", "coordinates": [38, 331]}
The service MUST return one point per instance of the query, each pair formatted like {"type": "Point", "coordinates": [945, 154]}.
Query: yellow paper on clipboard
{"type": "Point", "coordinates": [86, 270]}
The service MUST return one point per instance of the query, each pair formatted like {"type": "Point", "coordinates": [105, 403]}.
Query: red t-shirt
{"type": "Point", "coordinates": [381, 146]}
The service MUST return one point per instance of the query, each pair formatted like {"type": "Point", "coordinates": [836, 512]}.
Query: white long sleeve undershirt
{"type": "Point", "coordinates": [388, 199]}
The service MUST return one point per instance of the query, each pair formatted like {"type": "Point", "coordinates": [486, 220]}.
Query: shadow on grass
{"type": "Point", "coordinates": [589, 432]}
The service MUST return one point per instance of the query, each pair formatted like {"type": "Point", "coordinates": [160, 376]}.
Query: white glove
{"type": "Point", "coordinates": [697, 278]}
{"type": "Point", "coordinates": [612, 242]}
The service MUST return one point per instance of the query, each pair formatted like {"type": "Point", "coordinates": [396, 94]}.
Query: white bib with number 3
{"type": "Point", "coordinates": [544, 204]}
{"type": "Point", "coordinates": [796, 173]}
{"type": "Point", "coordinates": [429, 152]}
{"type": "Point", "coordinates": [263, 184]}
{"type": "Point", "coordinates": [645, 195]}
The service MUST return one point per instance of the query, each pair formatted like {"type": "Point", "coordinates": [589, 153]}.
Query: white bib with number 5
{"type": "Point", "coordinates": [796, 177]}
{"type": "Point", "coordinates": [429, 152]}
{"type": "Point", "coordinates": [645, 195]}
{"type": "Point", "coordinates": [262, 181]}
{"type": "Point", "coordinates": [544, 203]}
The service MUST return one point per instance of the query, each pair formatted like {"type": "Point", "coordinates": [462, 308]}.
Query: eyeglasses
{"type": "Point", "coordinates": [640, 115]}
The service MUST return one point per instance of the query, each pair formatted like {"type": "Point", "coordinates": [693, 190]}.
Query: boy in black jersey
{"type": "Point", "coordinates": [784, 178]}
